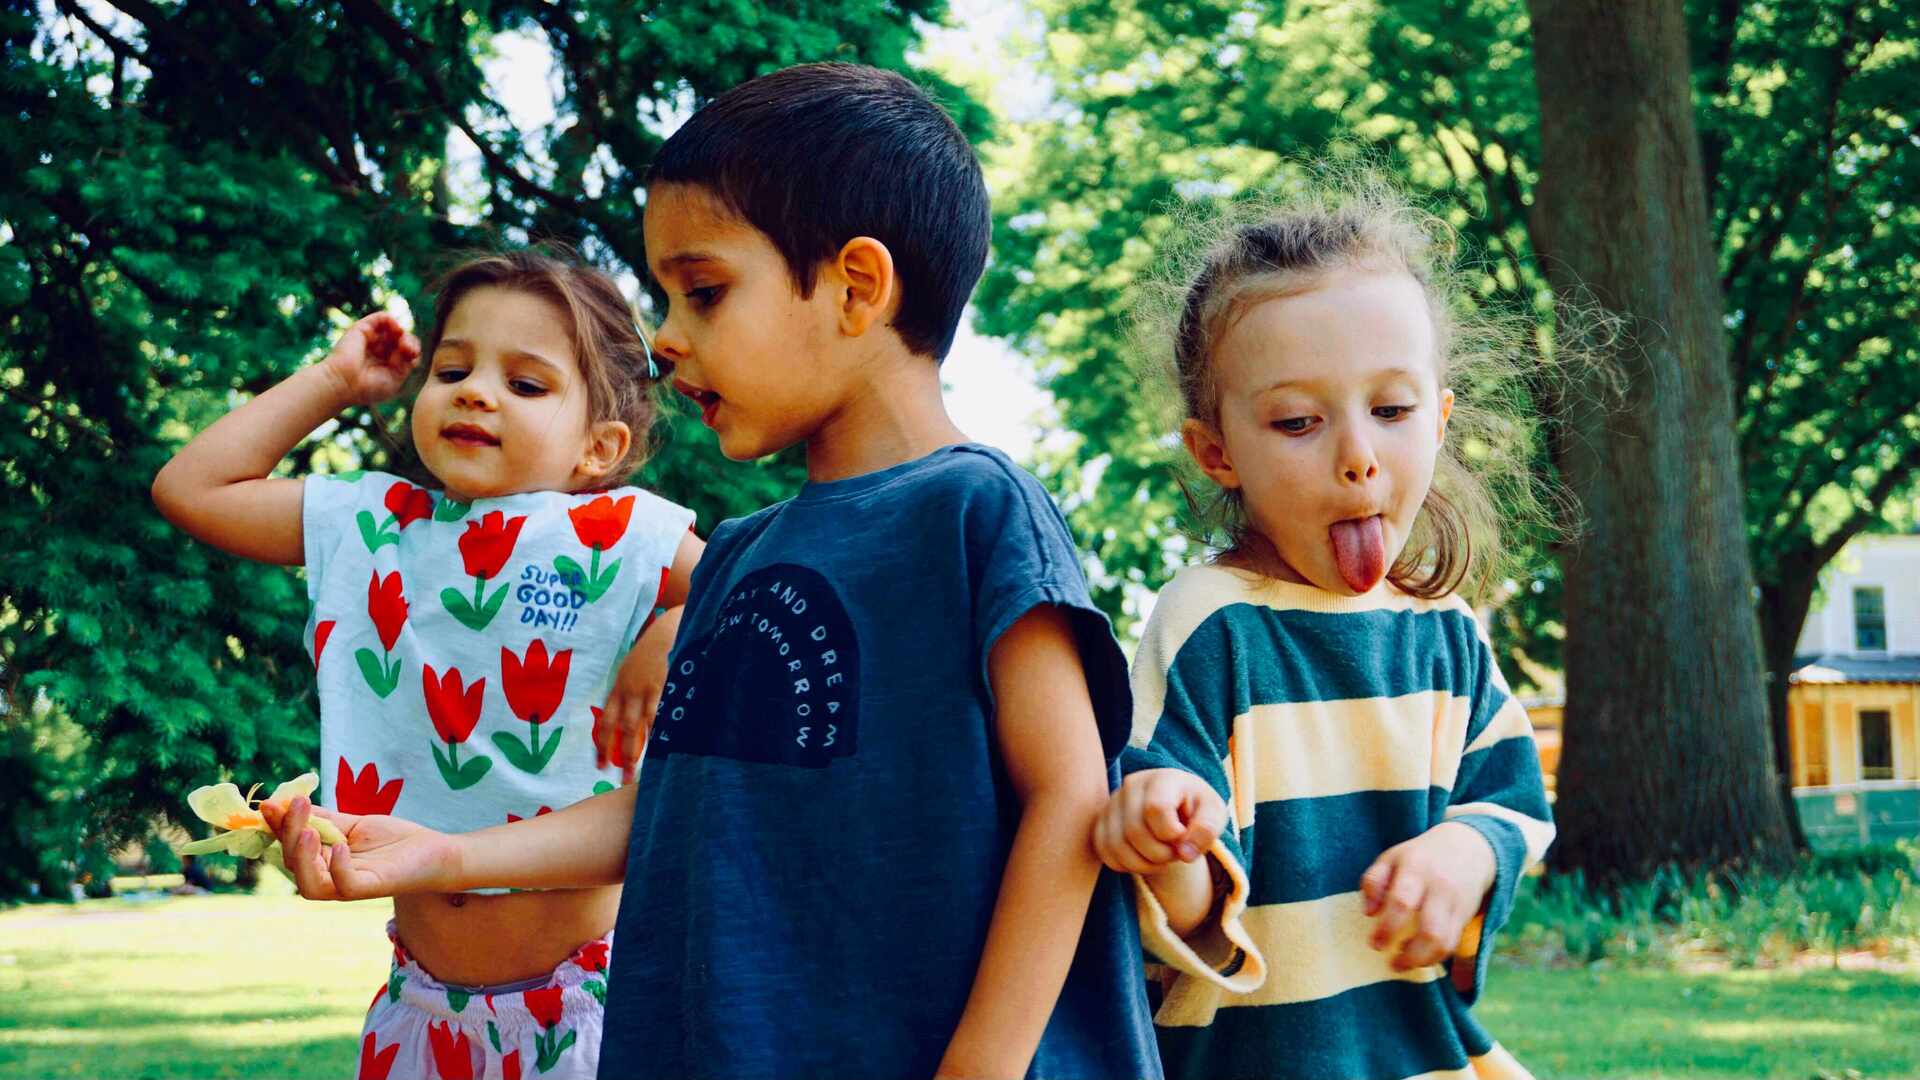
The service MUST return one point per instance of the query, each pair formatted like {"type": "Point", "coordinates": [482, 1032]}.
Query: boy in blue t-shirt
{"type": "Point", "coordinates": [859, 843]}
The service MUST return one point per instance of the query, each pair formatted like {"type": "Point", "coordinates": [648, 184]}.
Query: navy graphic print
{"type": "Point", "coordinates": [776, 680]}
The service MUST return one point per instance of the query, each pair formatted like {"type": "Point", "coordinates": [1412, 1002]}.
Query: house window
{"type": "Point", "coordinates": [1870, 619]}
{"type": "Point", "coordinates": [1876, 744]}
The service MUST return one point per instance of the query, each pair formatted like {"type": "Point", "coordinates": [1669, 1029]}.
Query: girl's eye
{"type": "Point", "coordinates": [1294, 425]}
{"type": "Point", "coordinates": [450, 374]}
{"type": "Point", "coordinates": [1392, 412]}
{"type": "Point", "coordinates": [527, 389]}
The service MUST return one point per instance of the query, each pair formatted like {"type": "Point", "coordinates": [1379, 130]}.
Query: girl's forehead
{"type": "Point", "coordinates": [501, 319]}
{"type": "Point", "coordinates": [1351, 325]}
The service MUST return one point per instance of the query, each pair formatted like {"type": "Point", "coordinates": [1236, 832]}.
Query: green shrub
{"type": "Point", "coordinates": [1833, 903]}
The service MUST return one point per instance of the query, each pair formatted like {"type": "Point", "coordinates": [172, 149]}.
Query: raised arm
{"type": "Point", "coordinates": [1050, 743]}
{"type": "Point", "coordinates": [219, 488]}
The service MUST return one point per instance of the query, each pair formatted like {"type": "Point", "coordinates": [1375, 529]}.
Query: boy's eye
{"type": "Point", "coordinates": [450, 374]}
{"type": "Point", "coordinates": [1392, 412]}
{"type": "Point", "coordinates": [704, 296]}
{"type": "Point", "coordinates": [1294, 425]}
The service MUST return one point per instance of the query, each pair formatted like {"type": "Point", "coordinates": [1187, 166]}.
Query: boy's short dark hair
{"type": "Point", "coordinates": [816, 155]}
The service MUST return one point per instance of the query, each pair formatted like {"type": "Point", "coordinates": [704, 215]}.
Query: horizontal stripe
{"type": "Point", "coordinates": [1508, 772]}
{"type": "Point", "coordinates": [1537, 834]}
{"type": "Point", "coordinates": [1367, 646]}
{"type": "Point", "coordinates": [1510, 722]}
{"type": "Point", "coordinates": [1224, 954]}
{"type": "Point", "coordinates": [1305, 849]}
{"type": "Point", "coordinates": [1314, 749]}
{"type": "Point", "coordinates": [1378, 1032]}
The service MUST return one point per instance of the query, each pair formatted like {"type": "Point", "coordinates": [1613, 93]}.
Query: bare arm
{"type": "Point", "coordinates": [219, 488]}
{"type": "Point", "coordinates": [581, 846]}
{"type": "Point", "coordinates": [1051, 745]}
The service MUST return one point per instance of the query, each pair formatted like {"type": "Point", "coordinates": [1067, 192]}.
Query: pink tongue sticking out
{"type": "Point", "coordinates": [1360, 547]}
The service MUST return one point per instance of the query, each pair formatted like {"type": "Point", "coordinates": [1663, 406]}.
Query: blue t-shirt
{"type": "Point", "coordinates": [823, 816]}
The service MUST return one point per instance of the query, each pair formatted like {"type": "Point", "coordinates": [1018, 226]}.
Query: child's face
{"type": "Point", "coordinates": [504, 407]}
{"type": "Point", "coordinates": [1331, 416]}
{"type": "Point", "coordinates": [759, 359]}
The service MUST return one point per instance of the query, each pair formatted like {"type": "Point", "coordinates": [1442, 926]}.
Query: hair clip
{"type": "Point", "coordinates": [653, 368]}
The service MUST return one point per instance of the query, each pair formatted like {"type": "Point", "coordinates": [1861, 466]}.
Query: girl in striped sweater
{"type": "Point", "coordinates": [1330, 794]}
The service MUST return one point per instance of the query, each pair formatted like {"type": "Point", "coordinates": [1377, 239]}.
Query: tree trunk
{"type": "Point", "coordinates": [1783, 611]}
{"type": "Point", "coordinates": [1667, 757]}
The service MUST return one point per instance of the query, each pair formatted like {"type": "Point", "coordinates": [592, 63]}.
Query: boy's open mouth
{"type": "Point", "coordinates": [1360, 551]}
{"type": "Point", "coordinates": [708, 401]}
{"type": "Point", "coordinates": [468, 435]}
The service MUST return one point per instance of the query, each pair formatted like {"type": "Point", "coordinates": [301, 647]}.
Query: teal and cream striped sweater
{"type": "Point", "coordinates": [1333, 728]}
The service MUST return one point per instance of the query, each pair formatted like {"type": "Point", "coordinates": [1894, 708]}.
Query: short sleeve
{"type": "Point", "coordinates": [1022, 556]}
{"type": "Point", "coordinates": [655, 530]}
{"type": "Point", "coordinates": [331, 505]}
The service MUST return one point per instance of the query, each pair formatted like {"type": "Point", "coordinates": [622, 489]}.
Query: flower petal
{"type": "Point", "coordinates": [217, 843]}
{"type": "Point", "coordinates": [214, 803]}
{"type": "Point", "coordinates": [249, 843]}
{"type": "Point", "coordinates": [330, 833]}
{"type": "Point", "coordinates": [304, 784]}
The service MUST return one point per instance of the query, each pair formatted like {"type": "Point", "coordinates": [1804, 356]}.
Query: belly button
{"type": "Point", "coordinates": [457, 900]}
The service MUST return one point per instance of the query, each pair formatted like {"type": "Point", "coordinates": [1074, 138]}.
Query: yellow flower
{"type": "Point", "coordinates": [239, 828]}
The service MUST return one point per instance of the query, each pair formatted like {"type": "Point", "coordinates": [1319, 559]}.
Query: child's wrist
{"type": "Point", "coordinates": [325, 383]}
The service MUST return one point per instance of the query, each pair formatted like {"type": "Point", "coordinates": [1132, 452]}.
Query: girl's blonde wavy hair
{"type": "Point", "coordinates": [1230, 257]}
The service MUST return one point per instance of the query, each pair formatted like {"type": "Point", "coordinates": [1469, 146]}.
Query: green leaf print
{"type": "Point", "coordinates": [459, 775]}
{"type": "Point", "coordinates": [393, 985]}
{"type": "Point", "coordinates": [375, 536]}
{"type": "Point", "coordinates": [529, 758]}
{"type": "Point", "coordinates": [550, 1046]}
{"type": "Point", "coordinates": [457, 999]}
{"type": "Point", "coordinates": [592, 582]}
{"type": "Point", "coordinates": [450, 510]}
{"type": "Point", "coordinates": [601, 787]}
{"type": "Point", "coordinates": [380, 677]}
{"type": "Point", "coordinates": [493, 1036]}
{"type": "Point", "coordinates": [598, 989]}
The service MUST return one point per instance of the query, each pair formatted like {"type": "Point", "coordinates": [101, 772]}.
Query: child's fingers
{"type": "Point", "coordinates": [1373, 884]}
{"type": "Point", "coordinates": [632, 731]}
{"type": "Point", "coordinates": [1110, 843]}
{"type": "Point", "coordinates": [1206, 818]}
{"type": "Point", "coordinates": [309, 867]}
{"type": "Point", "coordinates": [602, 737]}
{"type": "Point", "coordinates": [1403, 898]}
{"type": "Point", "coordinates": [1140, 802]}
{"type": "Point", "coordinates": [1438, 935]}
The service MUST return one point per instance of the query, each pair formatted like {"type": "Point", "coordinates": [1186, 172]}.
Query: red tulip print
{"type": "Point", "coordinates": [376, 1066]}
{"type": "Point", "coordinates": [320, 635]}
{"type": "Point", "coordinates": [548, 1044]}
{"type": "Point", "coordinates": [535, 687]}
{"type": "Point", "coordinates": [452, 1054]}
{"type": "Point", "coordinates": [454, 710]}
{"type": "Point", "coordinates": [405, 505]}
{"type": "Point", "coordinates": [363, 793]}
{"type": "Point", "coordinates": [484, 549]}
{"type": "Point", "coordinates": [599, 524]}
{"type": "Point", "coordinates": [387, 606]}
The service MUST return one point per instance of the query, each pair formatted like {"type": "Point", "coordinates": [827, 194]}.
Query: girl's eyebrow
{"type": "Point", "coordinates": [1383, 375]}
{"type": "Point", "coordinates": [559, 371]}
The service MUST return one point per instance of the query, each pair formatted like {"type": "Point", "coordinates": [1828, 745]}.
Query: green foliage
{"type": "Point", "coordinates": [196, 198]}
{"type": "Point", "coordinates": [1864, 900]}
{"type": "Point", "coordinates": [1807, 113]}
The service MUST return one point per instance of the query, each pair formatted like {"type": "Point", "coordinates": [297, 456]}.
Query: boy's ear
{"type": "Point", "coordinates": [869, 291]}
{"type": "Point", "coordinates": [1209, 452]}
{"type": "Point", "coordinates": [607, 443]}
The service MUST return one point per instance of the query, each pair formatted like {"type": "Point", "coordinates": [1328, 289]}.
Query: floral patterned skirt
{"type": "Point", "coordinates": [541, 1029]}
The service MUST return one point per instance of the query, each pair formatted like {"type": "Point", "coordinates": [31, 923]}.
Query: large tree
{"type": "Point", "coordinates": [1664, 694]}
{"type": "Point", "coordinates": [193, 197]}
{"type": "Point", "coordinates": [1806, 113]}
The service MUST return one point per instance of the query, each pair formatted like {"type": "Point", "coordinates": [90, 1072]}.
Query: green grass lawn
{"type": "Point", "coordinates": [270, 986]}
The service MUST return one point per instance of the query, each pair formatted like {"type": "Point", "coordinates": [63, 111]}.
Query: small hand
{"type": "Point", "coordinates": [1158, 817]}
{"type": "Point", "coordinates": [383, 856]}
{"type": "Point", "coordinates": [1424, 891]}
{"type": "Point", "coordinates": [372, 359]}
{"type": "Point", "coordinates": [621, 728]}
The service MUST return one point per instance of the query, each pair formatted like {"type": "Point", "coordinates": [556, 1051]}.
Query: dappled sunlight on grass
{"type": "Point", "coordinates": [264, 985]}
